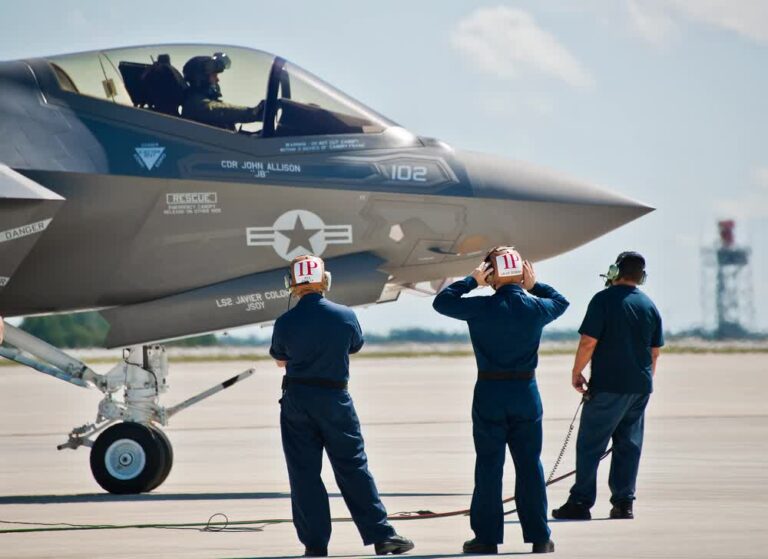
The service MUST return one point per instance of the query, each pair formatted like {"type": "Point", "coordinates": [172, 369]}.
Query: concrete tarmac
{"type": "Point", "coordinates": [702, 490]}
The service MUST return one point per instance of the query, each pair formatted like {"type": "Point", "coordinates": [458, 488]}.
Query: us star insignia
{"type": "Point", "coordinates": [299, 232]}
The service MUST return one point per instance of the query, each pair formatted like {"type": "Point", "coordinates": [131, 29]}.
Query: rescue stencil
{"type": "Point", "coordinates": [191, 203]}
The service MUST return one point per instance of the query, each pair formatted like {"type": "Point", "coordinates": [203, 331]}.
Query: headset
{"type": "Point", "coordinates": [614, 270]}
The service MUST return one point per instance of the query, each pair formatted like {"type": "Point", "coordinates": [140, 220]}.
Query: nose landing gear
{"type": "Point", "coordinates": [131, 454]}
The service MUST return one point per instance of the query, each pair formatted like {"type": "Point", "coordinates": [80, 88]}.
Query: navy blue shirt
{"type": "Point", "coordinates": [627, 325]}
{"type": "Point", "coordinates": [315, 338]}
{"type": "Point", "coordinates": [505, 327]}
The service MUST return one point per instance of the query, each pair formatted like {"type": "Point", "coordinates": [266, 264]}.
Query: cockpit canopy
{"type": "Point", "coordinates": [296, 103]}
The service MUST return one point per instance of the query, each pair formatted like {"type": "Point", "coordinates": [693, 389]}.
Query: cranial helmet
{"type": "Point", "coordinates": [507, 265]}
{"type": "Point", "coordinates": [307, 275]}
{"type": "Point", "coordinates": [198, 68]}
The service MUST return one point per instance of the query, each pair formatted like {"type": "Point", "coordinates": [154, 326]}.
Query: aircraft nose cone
{"type": "Point", "coordinates": [518, 198]}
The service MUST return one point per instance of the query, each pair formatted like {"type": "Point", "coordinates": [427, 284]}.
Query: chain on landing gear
{"type": "Point", "coordinates": [131, 454]}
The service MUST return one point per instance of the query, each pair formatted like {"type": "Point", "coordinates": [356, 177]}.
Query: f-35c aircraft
{"type": "Point", "coordinates": [110, 199]}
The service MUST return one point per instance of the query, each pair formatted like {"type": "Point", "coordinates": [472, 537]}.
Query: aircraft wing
{"type": "Point", "coordinates": [26, 210]}
{"type": "Point", "coordinates": [250, 299]}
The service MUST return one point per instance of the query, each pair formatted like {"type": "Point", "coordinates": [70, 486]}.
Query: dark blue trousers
{"type": "Point", "coordinates": [609, 416]}
{"type": "Point", "coordinates": [313, 419]}
{"type": "Point", "coordinates": [507, 413]}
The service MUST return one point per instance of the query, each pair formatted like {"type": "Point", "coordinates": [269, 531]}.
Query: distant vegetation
{"type": "Point", "coordinates": [405, 336]}
{"type": "Point", "coordinates": [87, 329]}
{"type": "Point", "coordinates": [68, 330]}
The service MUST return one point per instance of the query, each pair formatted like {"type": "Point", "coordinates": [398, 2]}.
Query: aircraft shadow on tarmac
{"type": "Point", "coordinates": [149, 497]}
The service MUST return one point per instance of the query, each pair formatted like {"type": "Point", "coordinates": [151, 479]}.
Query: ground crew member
{"type": "Point", "coordinates": [2, 329]}
{"type": "Point", "coordinates": [621, 336]}
{"type": "Point", "coordinates": [313, 341]}
{"type": "Point", "coordinates": [202, 101]}
{"type": "Point", "coordinates": [505, 329]}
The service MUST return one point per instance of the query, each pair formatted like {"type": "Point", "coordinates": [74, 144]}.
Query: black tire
{"type": "Point", "coordinates": [167, 449]}
{"type": "Point", "coordinates": [127, 459]}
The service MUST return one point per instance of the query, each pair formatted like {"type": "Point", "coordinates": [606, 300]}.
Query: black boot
{"type": "Point", "coordinates": [622, 509]}
{"type": "Point", "coordinates": [572, 511]}
{"type": "Point", "coordinates": [394, 545]}
{"type": "Point", "coordinates": [477, 548]}
{"type": "Point", "coordinates": [544, 547]}
{"type": "Point", "coordinates": [315, 552]}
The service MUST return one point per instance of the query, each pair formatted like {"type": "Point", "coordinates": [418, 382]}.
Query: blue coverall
{"type": "Point", "coordinates": [505, 329]}
{"type": "Point", "coordinates": [315, 338]}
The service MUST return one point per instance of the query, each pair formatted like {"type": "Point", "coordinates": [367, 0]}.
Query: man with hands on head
{"type": "Point", "coordinates": [621, 335]}
{"type": "Point", "coordinates": [505, 329]}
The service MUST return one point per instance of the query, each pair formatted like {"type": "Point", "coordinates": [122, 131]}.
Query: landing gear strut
{"type": "Point", "coordinates": [131, 454]}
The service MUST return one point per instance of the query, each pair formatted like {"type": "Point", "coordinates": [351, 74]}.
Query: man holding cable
{"type": "Point", "coordinates": [621, 336]}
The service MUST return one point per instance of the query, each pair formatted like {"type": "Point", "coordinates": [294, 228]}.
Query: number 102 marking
{"type": "Point", "coordinates": [415, 173]}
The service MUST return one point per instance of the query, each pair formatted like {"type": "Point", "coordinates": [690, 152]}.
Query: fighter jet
{"type": "Point", "coordinates": [113, 198]}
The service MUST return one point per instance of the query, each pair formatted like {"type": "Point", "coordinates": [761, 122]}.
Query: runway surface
{"type": "Point", "coordinates": [702, 491]}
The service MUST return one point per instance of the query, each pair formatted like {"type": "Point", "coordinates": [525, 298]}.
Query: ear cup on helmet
{"type": "Point", "coordinates": [613, 272]}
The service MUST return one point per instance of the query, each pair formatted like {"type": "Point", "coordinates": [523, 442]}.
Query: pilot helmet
{"type": "Point", "coordinates": [507, 266]}
{"type": "Point", "coordinates": [198, 68]}
{"type": "Point", "coordinates": [307, 275]}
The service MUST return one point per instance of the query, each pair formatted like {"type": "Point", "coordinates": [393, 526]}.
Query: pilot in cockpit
{"type": "Point", "coordinates": [202, 101]}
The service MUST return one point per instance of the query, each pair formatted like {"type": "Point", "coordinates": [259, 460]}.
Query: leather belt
{"type": "Point", "coordinates": [506, 375]}
{"type": "Point", "coordinates": [315, 381]}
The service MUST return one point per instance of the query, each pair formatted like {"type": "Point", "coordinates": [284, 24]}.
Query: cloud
{"type": "Point", "coordinates": [507, 43]}
{"type": "Point", "coordinates": [658, 20]}
{"type": "Point", "coordinates": [652, 22]}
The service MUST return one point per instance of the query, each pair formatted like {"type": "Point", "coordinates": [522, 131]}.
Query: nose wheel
{"type": "Point", "coordinates": [130, 458]}
{"type": "Point", "coordinates": [165, 443]}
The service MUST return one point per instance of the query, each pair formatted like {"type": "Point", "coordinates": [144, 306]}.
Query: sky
{"type": "Point", "coordinates": [661, 100]}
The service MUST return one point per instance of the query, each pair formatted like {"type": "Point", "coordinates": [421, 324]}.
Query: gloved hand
{"type": "Point", "coordinates": [258, 110]}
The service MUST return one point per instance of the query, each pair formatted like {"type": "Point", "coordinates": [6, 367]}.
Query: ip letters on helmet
{"type": "Point", "coordinates": [508, 264]}
{"type": "Point", "coordinates": [308, 272]}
